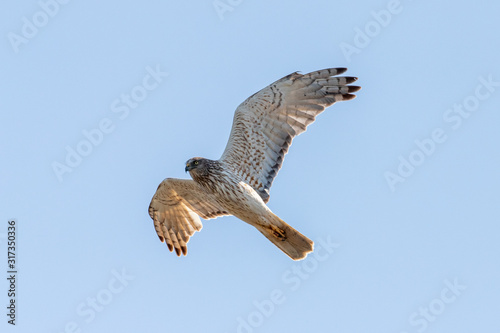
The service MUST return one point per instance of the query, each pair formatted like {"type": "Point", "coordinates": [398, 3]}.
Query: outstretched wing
{"type": "Point", "coordinates": [175, 208]}
{"type": "Point", "coordinates": [265, 124]}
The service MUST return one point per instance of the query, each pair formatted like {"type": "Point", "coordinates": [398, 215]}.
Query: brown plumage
{"type": "Point", "coordinates": [239, 182]}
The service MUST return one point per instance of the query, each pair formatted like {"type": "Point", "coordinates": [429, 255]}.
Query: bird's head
{"type": "Point", "coordinates": [195, 164]}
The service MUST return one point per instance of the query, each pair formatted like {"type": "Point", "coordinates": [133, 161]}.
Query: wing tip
{"type": "Point", "coordinates": [180, 250]}
{"type": "Point", "coordinates": [348, 97]}
{"type": "Point", "coordinates": [340, 70]}
{"type": "Point", "coordinates": [354, 89]}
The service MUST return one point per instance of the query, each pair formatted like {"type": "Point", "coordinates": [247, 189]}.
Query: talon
{"type": "Point", "coordinates": [278, 233]}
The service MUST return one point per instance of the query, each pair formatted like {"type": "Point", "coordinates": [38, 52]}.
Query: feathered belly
{"type": "Point", "coordinates": [242, 201]}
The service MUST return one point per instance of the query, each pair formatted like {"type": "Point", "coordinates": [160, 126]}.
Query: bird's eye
{"type": "Point", "coordinates": [196, 162]}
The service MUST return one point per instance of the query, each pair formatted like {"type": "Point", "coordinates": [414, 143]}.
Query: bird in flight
{"type": "Point", "coordinates": [238, 183]}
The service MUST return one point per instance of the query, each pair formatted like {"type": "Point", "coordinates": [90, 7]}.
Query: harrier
{"type": "Point", "coordinates": [238, 183]}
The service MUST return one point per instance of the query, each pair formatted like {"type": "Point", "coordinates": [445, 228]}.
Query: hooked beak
{"type": "Point", "coordinates": [187, 168]}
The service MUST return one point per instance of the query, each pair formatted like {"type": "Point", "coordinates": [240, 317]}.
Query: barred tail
{"type": "Point", "coordinates": [293, 243]}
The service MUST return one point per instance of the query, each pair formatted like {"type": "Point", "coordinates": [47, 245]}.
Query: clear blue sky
{"type": "Point", "coordinates": [398, 188]}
